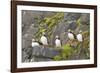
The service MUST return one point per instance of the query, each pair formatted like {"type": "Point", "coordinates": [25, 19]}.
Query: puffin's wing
{"type": "Point", "coordinates": [61, 42]}
{"type": "Point", "coordinates": [46, 40]}
{"type": "Point", "coordinates": [75, 37]}
{"type": "Point", "coordinates": [40, 43]}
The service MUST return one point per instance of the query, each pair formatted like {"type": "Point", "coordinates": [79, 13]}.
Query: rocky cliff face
{"type": "Point", "coordinates": [39, 54]}
{"type": "Point", "coordinates": [31, 19]}
{"type": "Point", "coordinates": [52, 23]}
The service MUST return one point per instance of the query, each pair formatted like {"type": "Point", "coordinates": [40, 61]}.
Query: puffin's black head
{"type": "Point", "coordinates": [33, 40]}
{"type": "Point", "coordinates": [57, 37]}
{"type": "Point", "coordinates": [43, 34]}
{"type": "Point", "coordinates": [80, 31]}
{"type": "Point", "coordinates": [69, 30]}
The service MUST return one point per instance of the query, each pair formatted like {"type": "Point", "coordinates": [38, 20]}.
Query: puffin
{"type": "Point", "coordinates": [71, 35]}
{"type": "Point", "coordinates": [34, 43]}
{"type": "Point", "coordinates": [79, 36]}
{"type": "Point", "coordinates": [43, 39]}
{"type": "Point", "coordinates": [57, 41]}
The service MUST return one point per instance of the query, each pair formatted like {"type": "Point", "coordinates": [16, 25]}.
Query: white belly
{"type": "Point", "coordinates": [44, 40]}
{"type": "Point", "coordinates": [35, 44]}
{"type": "Point", "coordinates": [79, 37]}
{"type": "Point", "coordinates": [58, 43]}
{"type": "Point", "coordinates": [70, 36]}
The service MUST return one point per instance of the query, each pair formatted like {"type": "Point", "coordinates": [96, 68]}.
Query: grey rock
{"type": "Point", "coordinates": [45, 52]}
{"type": "Point", "coordinates": [85, 19]}
{"type": "Point", "coordinates": [39, 59]}
{"type": "Point", "coordinates": [39, 54]}
{"type": "Point", "coordinates": [73, 26]}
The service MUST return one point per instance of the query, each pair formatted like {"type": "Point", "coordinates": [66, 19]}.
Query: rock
{"type": "Point", "coordinates": [72, 16]}
{"type": "Point", "coordinates": [39, 59]}
{"type": "Point", "coordinates": [24, 56]}
{"type": "Point", "coordinates": [85, 19]}
{"type": "Point", "coordinates": [45, 52]}
{"type": "Point", "coordinates": [39, 54]}
{"type": "Point", "coordinates": [73, 26]}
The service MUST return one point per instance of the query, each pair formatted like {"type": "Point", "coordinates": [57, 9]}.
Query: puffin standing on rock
{"type": "Point", "coordinates": [79, 36]}
{"type": "Point", "coordinates": [80, 40]}
{"type": "Point", "coordinates": [71, 35]}
{"type": "Point", "coordinates": [44, 40]}
{"type": "Point", "coordinates": [58, 42]}
{"type": "Point", "coordinates": [34, 43]}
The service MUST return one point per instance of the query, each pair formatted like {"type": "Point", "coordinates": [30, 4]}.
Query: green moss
{"type": "Point", "coordinates": [67, 50]}
{"type": "Point", "coordinates": [57, 58]}
{"type": "Point", "coordinates": [78, 22]}
{"type": "Point", "coordinates": [42, 30]}
{"type": "Point", "coordinates": [48, 23]}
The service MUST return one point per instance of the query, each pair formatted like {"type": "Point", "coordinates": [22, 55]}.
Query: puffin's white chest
{"type": "Point", "coordinates": [79, 37]}
{"type": "Point", "coordinates": [70, 36]}
{"type": "Point", "coordinates": [35, 44]}
{"type": "Point", "coordinates": [58, 43]}
{"type": "Point", "coordinates": [44, 40]}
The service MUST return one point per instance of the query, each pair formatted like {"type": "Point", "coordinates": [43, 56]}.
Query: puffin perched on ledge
{"type": "Point", "coordinates": [58, 42]}
{"type": "Point", "coordinates": [71, 35]}
{"type": "Point", "coordinates": [34, 43]}
{"type": "Point", "coordinates": [43, 39]}
{"type": "Point", "coordinates": [79, 36]}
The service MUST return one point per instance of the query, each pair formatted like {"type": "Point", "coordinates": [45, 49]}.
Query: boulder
{"type": "Point", "coordinates": [39, 54]}
{"type": "Point", "coordinates": [45, 52]}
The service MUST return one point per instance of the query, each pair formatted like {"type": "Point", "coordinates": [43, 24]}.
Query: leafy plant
{"type": "Point", "coordinates": [67, 51]}
{"type": "Point", "coordinates": [78, 22]}
{"type": "Point", "coordinates": [57, 58]}
{"type": "Point", "coordinates": [48, 23]}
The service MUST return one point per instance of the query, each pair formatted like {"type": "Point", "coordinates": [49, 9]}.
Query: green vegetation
{"type": "Point", "coordinates": [66, 52]}
{"type": "Point", "coordinates": [48, 23]}
{"type": "Point", "coordinates": [78, 22]}
{"type": "Point", "coordinates": [58, 58]}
